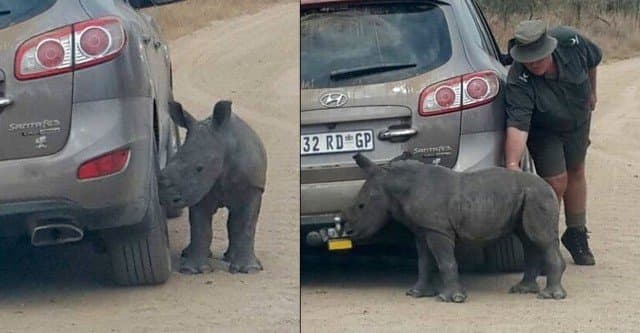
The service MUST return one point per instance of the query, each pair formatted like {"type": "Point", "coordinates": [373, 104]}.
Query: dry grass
{"type": "Point", "coordinates": [182, 18]}
{"type": "Point", "coordinates": [616, 34]}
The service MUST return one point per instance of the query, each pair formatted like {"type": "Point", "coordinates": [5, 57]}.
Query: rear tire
{"type": "Point", "coordinates": [506, 255]}
{"type": "Point", "coordinates": [143, 257]}
{"type": "Point", "coordinates": [172, 150]}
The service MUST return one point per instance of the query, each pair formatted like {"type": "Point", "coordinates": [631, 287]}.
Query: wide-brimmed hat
{"type": "Point", "coordinates": [532, 42]}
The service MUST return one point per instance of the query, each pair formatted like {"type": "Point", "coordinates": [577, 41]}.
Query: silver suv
{"type": "Point", "coordinates": [85, 87]}
{"type": "Point", "coordinates": [411, 79]}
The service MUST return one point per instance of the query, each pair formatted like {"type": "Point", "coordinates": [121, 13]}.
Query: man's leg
{"type": "Point", "coordinates": [559, 185]}
{"type": "Point", "coordinates": [561, 163]}
{"type": "Point", "coordinates": [575, 238]}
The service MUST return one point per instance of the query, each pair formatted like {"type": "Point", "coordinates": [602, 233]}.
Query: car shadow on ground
{"type": "Point", "coordinates": [26, 270]}
{"type": "Point", "coordinates": [367, 271]}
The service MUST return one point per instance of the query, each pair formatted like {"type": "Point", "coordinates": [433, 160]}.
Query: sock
{"type": "Point", "coordinates": [578, 220]}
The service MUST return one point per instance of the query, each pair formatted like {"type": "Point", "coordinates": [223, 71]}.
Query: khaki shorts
{"type": "Point", "coordinates": [554, 153]}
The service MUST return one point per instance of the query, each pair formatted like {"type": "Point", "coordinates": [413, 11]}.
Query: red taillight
{"type": "Point", "coordinates": [98, 41]}
{"type": "Point", "coordinates": [78, 46]}
{"type": "Point", "coordinates": [459, 93]}
{"type": "Point", "coordinates": [95, 41]}
{"type": "Point", "coordinates": [104, 165]}
{"type": "Point", "coordinates": [40, 56]}
{"type": "Point", "coordinates": [50, 53]}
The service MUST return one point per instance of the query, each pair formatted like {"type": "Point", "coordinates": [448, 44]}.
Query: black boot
{"type": "Point", "coordinates": [575, 240]}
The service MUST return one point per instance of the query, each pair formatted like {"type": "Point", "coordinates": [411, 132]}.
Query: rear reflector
{"type": "Point", "coordinates": [63, 50]}
{"type": "Point", "coordinates": [104, 165]}
{"type": "Point", "coordinates": [459, 93]}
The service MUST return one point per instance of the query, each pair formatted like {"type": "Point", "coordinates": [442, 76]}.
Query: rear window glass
{"type": "Point", "coordinates": [16, 11]}
{"type": "Point", "coordinates": [358, 44]}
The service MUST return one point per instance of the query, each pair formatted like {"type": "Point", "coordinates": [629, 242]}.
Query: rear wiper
{"type": "Point", "coordinates": [342, 74]}
{"type": "Point", "coordinates": [4, 12]}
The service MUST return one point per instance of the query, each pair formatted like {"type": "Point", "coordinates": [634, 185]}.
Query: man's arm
{"type": "Point", "coordinates": [514, 147]}
{"type": "Point", "coordinates": [593, 98]}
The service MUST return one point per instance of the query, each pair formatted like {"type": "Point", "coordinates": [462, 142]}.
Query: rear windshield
{"type": "Point", "coordinates": [16, 11]}
{"type": "Point", "coordinates": [366, 44]}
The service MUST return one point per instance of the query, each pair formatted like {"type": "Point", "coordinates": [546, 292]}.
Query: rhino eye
{"type": "Point", "coordinates": [199, 169]}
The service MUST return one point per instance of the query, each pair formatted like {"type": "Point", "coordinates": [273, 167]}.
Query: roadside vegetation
{"type": "Point", "coordinates": [613, 24]}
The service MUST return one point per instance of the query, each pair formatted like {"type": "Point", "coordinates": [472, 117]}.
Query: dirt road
{"type": "Point", "coordinates": [604, 298]}
{"type": "Point", "coordinates": [252, 60]}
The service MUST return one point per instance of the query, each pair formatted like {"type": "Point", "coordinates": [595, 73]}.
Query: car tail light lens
{"type": "Point", "coordinates": [459, 93]}
{"type": "Point", "coordinates": [44, 55]}
{"type": "Point", "coordinates": [98, 41]}
{"type": "Point", "coordinates": [104, 165]}
{"type": "Point", "coordinates": [81, 45]}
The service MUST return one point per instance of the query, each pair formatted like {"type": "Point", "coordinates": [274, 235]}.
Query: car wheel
{"type": "Point", "coordinates": [174, 143]}
{"type": "Point", "coordinates": [142, 258]}
{"type": "Point", "coordinates": [506, 255]}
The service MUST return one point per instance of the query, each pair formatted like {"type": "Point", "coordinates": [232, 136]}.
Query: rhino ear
{"type": "Point", "coordinates": [221, 112]}
{"type": "Point", "coordinates": [366, 164]}
{"type": "Point", "coordinates": [179, 116]}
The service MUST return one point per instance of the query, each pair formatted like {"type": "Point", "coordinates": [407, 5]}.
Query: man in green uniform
{"type": "Point", "coordinates": [551, 91]}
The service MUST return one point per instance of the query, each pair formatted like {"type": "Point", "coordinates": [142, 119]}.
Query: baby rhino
{"type": "Point", "coordinates": [222, 163]}
{"type": "Point", "coordinates": [439, 205]}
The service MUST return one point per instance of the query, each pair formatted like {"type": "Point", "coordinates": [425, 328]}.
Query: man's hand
{"type": "Point", "coordinates": [513, 166]}
{"type": "Point", "coordinates": [514, 147]}
{"type": "Point", "coordinates": [593, 99]}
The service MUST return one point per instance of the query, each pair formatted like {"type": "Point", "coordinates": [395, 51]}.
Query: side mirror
{"type": "Point", "coordinates": [506, 59]}
{"type": "Point", "coordinates": [137, 4]}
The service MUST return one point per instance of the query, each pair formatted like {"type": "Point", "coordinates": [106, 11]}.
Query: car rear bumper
{"type": "Point", "coordinates": [43, 187]}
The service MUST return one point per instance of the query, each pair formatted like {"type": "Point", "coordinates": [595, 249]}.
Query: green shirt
{"type": "Point", "coordinates": [559, 103]}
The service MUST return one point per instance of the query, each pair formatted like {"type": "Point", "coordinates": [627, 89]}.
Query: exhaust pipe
{"type": "Point", "coordinates": [53, 234]}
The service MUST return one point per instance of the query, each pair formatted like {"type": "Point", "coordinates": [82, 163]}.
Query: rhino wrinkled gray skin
{"type": "Point", "coordinates": [439, 206]}
{"type": "Point", "coordinates": [222, 163]}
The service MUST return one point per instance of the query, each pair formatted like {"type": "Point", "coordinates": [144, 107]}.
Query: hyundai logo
{"type": "Point", "coordinates": [333, 99]}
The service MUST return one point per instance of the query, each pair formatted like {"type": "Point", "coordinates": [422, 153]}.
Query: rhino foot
{"type": "Point", "coordinates": [239, 265]}
{"type": "Point", "coordinates": [187, 252]}
{"type": "Point", "coordinates": [525, 288]}
{"type": "Point", "coordinates": [196, 265]}
{"type": "Point", "coordinates": [452, 295]}
{"type": "Point", "coordinates": [418, 291]}
{"type": "Point", "coordinates": [554, 292]}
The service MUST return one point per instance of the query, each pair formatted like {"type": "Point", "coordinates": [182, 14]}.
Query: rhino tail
{"type": "Point", "coordinates": [540, 215]}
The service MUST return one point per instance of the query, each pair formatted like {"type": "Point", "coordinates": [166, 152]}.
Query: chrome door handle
{"type": "Point", "coordinates": [4, 102]}
{"type": "Point", "coordinates": [397, 133]}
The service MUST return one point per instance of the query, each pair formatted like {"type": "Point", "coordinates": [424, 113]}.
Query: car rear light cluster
{"type": "Point", "coordinates": [63, 50]}
{"type": "Point", "coordinates": [459, 93]}
{"type": "Point", "coordinates": [104, 165]}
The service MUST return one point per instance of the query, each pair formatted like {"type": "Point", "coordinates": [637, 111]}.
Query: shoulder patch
{"type": "Point", "coordinates": [524, 77]}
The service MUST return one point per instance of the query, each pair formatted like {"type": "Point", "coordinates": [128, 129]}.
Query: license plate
{"type": "Point", "coordinates": [339, 244]}
{"type": "Point", "coordinates": [336, 142]}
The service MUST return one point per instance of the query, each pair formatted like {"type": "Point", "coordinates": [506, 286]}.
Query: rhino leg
{"type": "Point", "coordinates": [555, 266]}
{"type": "Point", "coordinates": [196, 258]}
{"type": "Point", "coordinates": [423, 287]}
{"type": "Point", "coordinates": [241, 227]}
{"type": "Point", "coordinates": [533, 263]}
{"type": "Point", "coordinates": [442, 248]}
